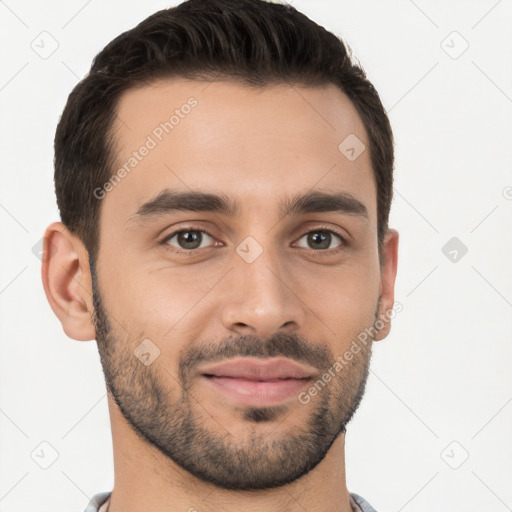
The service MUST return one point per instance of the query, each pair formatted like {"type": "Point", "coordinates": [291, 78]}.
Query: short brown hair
{"type": "Point", "coordinates": [252, 42]}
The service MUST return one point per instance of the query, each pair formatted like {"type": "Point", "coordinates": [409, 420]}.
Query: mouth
{"type": "Point", "coordinates": [256, 392]}
{"type": "Point", "coordinates": [253, 381]}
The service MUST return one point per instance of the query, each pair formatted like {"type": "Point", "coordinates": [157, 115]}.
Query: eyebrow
{"type": "Point", "coordinates": [170, 201]}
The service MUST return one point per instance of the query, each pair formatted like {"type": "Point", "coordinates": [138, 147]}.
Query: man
{"type": "Point", "coordinates": [224, 179]}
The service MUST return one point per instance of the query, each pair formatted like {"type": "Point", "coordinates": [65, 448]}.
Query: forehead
{"type": "Point", "coordinates": [254, 144]}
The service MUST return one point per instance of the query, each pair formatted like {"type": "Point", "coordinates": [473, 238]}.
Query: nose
{"type": "Point", "coordinates": [261, 299]}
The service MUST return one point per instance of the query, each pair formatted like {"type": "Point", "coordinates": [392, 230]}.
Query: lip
{"type": "Point", "coordinates": [259, 369]}
{"type": "Point", "coordinates": [254, 392]}
{"type": "Point", "coordinates": [252, 381]}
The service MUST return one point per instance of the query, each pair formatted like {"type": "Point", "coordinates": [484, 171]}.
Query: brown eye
{"type": "Point", "coordinates": [321, 239]}
{"type": "Point", "coordinates": [188, 239]}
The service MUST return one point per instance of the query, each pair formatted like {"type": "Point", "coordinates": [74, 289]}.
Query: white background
{"type": "Point", "coordinates": [441, 383]}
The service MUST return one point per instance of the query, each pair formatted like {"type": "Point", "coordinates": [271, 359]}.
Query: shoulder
{"type": "Point", "coordinates": [361, 503]}
{"type": "Point", "coordinates": [97, 501]}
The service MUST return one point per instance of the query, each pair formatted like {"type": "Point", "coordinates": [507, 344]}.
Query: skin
{"type": "Point", "coordinates": [258, 147]}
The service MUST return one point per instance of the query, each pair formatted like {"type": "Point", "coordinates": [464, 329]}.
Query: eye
{"type": "Point", "coordinates": [321, 239]}
{"type": "Point", "coordinates": [191, 239]}
{"type": "Point", "coordinates": [188, 239]}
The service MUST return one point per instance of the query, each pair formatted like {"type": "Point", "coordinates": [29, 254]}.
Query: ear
{"type": "Point", "coordinates": [67, 281]}
{"type": "Point", "coordinates": [387, 283]}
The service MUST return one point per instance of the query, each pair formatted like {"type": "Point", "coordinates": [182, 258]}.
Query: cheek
{"type": "Point", "coordinates": [346, 301]}
{"type": "Point", "coordinates": [154, 302]}
{"type": "Point", "coordinates": [161, 301]}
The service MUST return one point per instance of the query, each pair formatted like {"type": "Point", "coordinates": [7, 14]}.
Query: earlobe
{"type": "Point", "coordinates": [388, 276]}
{"type": "Point", "coordinates": [67, 281]}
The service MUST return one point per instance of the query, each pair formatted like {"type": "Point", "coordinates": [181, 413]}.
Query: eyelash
{"type": "Point", "coordinates": [340, 248]}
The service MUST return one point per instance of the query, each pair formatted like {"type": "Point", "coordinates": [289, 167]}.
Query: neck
{"type": "Point", "coordinates": [145, 479]}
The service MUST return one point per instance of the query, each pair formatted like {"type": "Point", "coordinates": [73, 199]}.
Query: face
{"type": "Point", "coordinates": [241, 234]}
